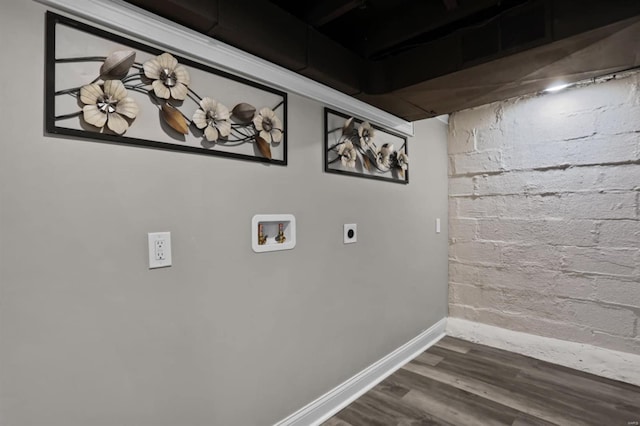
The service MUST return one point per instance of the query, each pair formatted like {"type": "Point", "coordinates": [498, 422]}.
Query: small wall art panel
{"type": "Point", "coordinates": [102, 86]}
{"type": "Point", "coordinates": [356, 147]}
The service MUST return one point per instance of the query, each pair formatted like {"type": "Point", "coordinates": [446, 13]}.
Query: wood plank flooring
{"type": "Point", "coordinates": [461, 383]}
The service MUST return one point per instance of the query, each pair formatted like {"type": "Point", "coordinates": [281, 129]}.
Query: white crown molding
{"type": "Point", "coordinates": [443, 118]}
{"type": "Point", "coordinates": [603, 362]}
{"type": "Point", "coordinates": [123, 17]}
{"type": "Point", "coordinates": [323, 408]}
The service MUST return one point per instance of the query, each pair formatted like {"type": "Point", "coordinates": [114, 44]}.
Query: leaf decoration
{"type": "Point", "coordinates": [366, 162]}
{"type": "Point", "coordinates": [347, 129]}
{"type": "Point", "coordinates": [243, 112]}
{"type": "Point", "coordinates": [117, 64]}
{"type": "Point", "coordinates": [175, 119]}
{"type": "Point", "coordinates": [401, 173]}
{"type": "Point", "coordinates": [264, 147]}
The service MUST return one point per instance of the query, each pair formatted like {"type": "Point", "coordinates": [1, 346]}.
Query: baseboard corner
{"type": "Point", "coordinates": [616, 365]}
{"type": "Point", "coordinates": [342, 395]}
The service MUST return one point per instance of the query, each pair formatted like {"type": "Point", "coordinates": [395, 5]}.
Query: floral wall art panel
{"type": "Point", "coordinates": [356, 147]}
{"type": "Point", "coordinates": [101, 86]}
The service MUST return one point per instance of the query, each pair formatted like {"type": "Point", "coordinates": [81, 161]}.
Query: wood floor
{"type": "Point", "coordinates": [460, 383]}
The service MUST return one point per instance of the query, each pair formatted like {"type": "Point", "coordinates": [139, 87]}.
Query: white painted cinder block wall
{"type": "Point", "coordinates": [544, 216]}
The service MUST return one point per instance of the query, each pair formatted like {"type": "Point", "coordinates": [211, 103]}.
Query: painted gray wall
{"type": "Point", "coordinates": [544, 214]}
{"type": "Point", "coordinates": [91, 337]}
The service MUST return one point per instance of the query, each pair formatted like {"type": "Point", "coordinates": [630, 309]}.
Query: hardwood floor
{"type": "Point", "coordinates": [460, 383]}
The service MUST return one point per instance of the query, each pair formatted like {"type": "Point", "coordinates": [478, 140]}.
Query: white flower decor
{"type": "Point", "coordinates": [402, 160]}
{"type": "Point", "coordinates": [169, 78]}
{"type": "Point", "coordinates": [214, 118]}
{"type": "Point", "coordinates": [365, 134]}
{"type": "Point", "coordinates": [356, 144]}
{"type": "Point", "coordinates": [268, 125]}
{"type": "Point", "coordinates": [107, 104]}
{"type": "Point", "coordinates": [156, 100]}
{"type": "Point", "coordinates": [347, 154]}
{"type": "Point", "coordinates": [383, 156]}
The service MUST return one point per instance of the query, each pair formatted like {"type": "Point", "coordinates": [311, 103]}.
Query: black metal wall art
{"type": "Point", "coordinates": [358, 148]}
{"type": "Point", "coordinates": [102, 86]}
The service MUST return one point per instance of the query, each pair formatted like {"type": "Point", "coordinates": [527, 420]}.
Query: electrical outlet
{"type": "Point", "coordinates": [159, 249]}
{"type": "Point", "coordinates": [160, 253]}
{"type": "Point", "coordinates": [350, 233]}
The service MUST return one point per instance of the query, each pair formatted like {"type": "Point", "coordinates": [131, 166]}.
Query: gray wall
{"type": "Point", "coordinates": [544, 219]}
{"type": "Point", "coordinates": [91, 337]}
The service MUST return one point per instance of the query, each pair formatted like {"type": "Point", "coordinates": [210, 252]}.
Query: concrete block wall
{"type": "Point", "coordinates": [544, 214]}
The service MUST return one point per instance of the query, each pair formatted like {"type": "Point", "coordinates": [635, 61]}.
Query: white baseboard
{"type": "Point", "coordinates": [603, 362]}
{"type": "Point", "coordinates": [342, 395]}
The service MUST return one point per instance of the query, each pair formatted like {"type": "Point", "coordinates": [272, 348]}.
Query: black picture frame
{"type": "Point", "coordinates": [52, 128]}
{"type": "Point", "coordinates": [331, 138]}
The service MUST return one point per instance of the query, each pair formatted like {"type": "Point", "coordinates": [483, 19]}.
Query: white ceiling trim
{"type": "Point", "coordinates": [129, 19]}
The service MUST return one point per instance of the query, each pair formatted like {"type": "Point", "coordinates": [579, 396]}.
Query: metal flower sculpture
{"type": "Point", "coordinates": [402, 161]}
{"type": "Point", "coordinates": [365, 134]}
{"type": "Point", "coordinates": [213, 117]}
{"type": "Point", "coordinates": [383, 156]}
{"type": "Point", "coordinates": [169, 78]}
{"type": "Point", "coordinates": [347, 154]}
{"type": "Point", "coordinates": [107, 104]}
{"type": "Point", "coordinates": [268, 125]}
{"type": "Point", "coordinates": [356, 148]}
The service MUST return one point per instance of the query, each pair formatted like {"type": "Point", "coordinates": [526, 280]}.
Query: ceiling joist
{"type": "Point", "coordinates": [418, 18]}
{"type": "Point", "coordinates": [328, 10]}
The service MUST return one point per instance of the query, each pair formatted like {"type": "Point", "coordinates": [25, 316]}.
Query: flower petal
{"type": "Point", "coordinates": [152, 69]}
{"type": "Point", "coordinates": [224, 127]}
{"type": "Point", "coordinates": [182, 75]}
{"type": "Point", "coordinates": [223, 112]}
{"type": "Point", "coordinates": [199, 119]}
{"type": "Point", "coordinates": [127, 107]}
{"type": "Point", "coordinates": [161, 90]}
{"type": "Point", "coordinates": [117, 123]}
{"type": "Point", "coordinates": [179, 91]}
{"type": "Point", "coordinates": [257, 121]}
{"type": "Point", "coordinates": [276, 135]}
{"type": "Point", "coordinates": [266, 112]}
{"type": "Point", "coordinates": [90, 93]}
{"type": "Point", "coordinates": [167, 61]}
{"type": "Point", "coordinates": [211, 133]}
{"type": "Point", "coordinates": [208, 104]}
{"type": "Point", "coordinates": [277, 124]}
{"type": "Point", "coordinates": [266, 136]}
{"type": "Point", "coordinates": [94, 116]}
{"type": "Point", "coordinates": [364, 127]}
{"type": "Point", "coordinates": [115, 89]}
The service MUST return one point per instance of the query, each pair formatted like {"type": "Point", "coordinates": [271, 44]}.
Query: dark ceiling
{"type": "Point", "coordinates": [421, 58]}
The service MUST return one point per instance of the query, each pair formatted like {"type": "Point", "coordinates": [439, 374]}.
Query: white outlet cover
{"type": "Point", "coordinates": [350, 227]}
{"type": "Point", "coordinates": [159, 249]}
